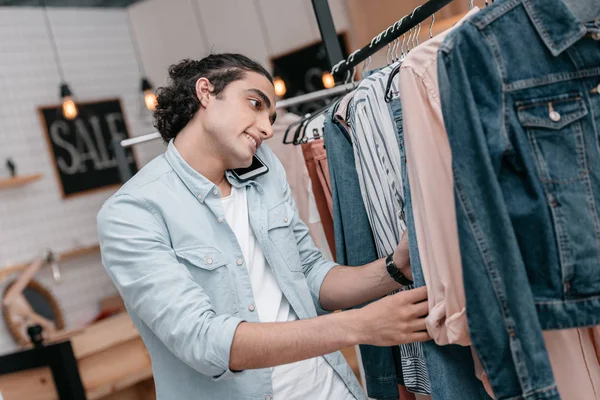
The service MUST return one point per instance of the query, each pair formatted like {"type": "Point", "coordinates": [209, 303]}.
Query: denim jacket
{"type": "Point", "coordinates": [180, 270]}
{"type": "Point", "coordinates": [519, 89]}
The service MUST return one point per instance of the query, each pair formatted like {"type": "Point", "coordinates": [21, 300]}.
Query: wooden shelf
{"type": "Point", "coordinates": [64, 256]}
{"type": "Point", "coordinates": [19, 181]}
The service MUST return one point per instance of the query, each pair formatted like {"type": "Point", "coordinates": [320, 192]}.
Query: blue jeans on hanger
{"type": "Point", "coordinates": [450, 367]}
{"type": "Point", "coordinates": [354, 245]}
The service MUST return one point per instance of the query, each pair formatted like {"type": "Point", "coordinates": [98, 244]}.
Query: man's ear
{"type": "Point", "coordinates": [204, 91]}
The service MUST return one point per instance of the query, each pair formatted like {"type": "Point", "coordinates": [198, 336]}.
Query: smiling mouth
{"type": "Point", "coordinates": [253, 141]}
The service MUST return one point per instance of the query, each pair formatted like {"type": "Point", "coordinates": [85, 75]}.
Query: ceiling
{"type": "Point", "coordinates": [69, 3]}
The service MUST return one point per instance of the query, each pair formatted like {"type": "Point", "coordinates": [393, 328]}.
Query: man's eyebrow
{"type": "Point", "coordinates": [262, 95]}
{"type": "Point", "coordinates": [267, 101]}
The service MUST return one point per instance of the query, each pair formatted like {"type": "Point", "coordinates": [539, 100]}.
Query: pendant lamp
{"type": "Point", "coordinates": [146, 87]}
{"type": "Point", "coordinates": [69, 108]}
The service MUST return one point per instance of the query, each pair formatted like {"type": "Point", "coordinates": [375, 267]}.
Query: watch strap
{"type": "Point", "coordinates": [395, 273]}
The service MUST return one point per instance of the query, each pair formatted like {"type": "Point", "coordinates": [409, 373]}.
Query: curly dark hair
{"type": "Point", "coordinates": [178, 103]}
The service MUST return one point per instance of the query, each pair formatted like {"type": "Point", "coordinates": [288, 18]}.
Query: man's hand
{"type": "Point", "coordinates": [402, 258]}
{"type": "Point", "coordinates": [395, 319]}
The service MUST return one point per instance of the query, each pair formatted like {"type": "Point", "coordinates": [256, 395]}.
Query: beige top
{"type": "Point", "coordinates": [292, 159]}
{"type": "Point", "coordinates": [429, 164]}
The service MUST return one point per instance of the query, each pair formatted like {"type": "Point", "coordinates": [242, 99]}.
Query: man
{"type": "Point", "coordinates": [220, 276]}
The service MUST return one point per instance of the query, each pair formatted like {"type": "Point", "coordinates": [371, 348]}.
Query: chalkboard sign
{"type": "Point", "coordinates": [82, 150]}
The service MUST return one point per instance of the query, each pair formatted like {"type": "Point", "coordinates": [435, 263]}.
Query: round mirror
{"type": "Point", "coordinates": [34, 306]}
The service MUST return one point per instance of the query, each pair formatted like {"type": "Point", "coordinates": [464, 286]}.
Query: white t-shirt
{"type": "Point", "coordinates": [308, 379]}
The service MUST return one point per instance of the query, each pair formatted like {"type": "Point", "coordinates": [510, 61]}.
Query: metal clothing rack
{"type": "Point", "coordinates": [325, 21]}
{"type": "Point", "coordinates": [305, 98]}
{"type": "Point", "coordinates": [119, 146]}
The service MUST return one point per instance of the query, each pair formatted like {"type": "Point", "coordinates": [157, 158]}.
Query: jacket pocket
{"type": "Point", "coordinates": [281, 234]}
{"type": "Point", "coordinates": [208, 267]}
{"type": "Point", "coordinates": [554, 129]}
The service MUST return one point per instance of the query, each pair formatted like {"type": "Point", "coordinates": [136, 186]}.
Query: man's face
{"type": "Point", "coordinates": [237, 122]}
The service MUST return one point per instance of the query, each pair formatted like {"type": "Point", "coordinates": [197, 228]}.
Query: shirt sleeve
{"type": "Point", "coordinates": [136, 253]}
{"type": "Point", "coordinates": [429, 167]}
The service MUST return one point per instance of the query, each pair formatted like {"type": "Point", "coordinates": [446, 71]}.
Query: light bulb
{"type": "Point", "coordinates": [69, 108]}
{"type": "Point", "coordinates": [328, 80]}
{"type": "Point", "coordinates": [150, 100]}
{"type": "Point", "coordinates": [279, 85]}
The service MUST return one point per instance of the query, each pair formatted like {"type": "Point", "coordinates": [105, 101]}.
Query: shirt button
{"type": "Point", "coordinates": [555, 116]}
{"type": "Point", "coordinates": [239, 261]}
{"type": "Point", "coordinates": [209, 261]}
{"type": "Point", "coordinates": [251, 307]}
{"type": "Point", "coordinates": [216, 192]}
{"type": "Point", "coordinates": [268, 397]}
{"type": "Point", "coordinates": [220, 220]}
{"type": "Point", "coordinates": [285, 219]}
{"type": "Point", "coordinates": [598, 88]}
{"type": "Point", "coordinates": [596, 35]}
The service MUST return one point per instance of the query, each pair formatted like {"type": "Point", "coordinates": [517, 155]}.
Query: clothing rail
{"type": "Point", "coordinates": [120, 145]}
{"type": "Point", "coordinates": [305, 98]}
{"type": "Point", "coordinates": [420, 14]}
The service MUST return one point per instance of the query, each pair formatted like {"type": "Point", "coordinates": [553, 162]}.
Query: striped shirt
{"type": "Point", "coordinates": [378, 163]}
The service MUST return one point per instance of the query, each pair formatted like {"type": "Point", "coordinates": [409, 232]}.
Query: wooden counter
{"type": "Point", "coordinates": [113, 364]}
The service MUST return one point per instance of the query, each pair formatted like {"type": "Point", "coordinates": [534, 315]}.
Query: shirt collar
{"type": "Point", "coordinates": [554, 22]}
{"type": "Point", "coordinates": [196, 183]}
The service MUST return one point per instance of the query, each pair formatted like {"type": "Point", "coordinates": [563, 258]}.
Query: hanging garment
{"type": "Point", "coordinates": [355, 246]}
{"type": "Point", "coordinates": [521, 117]}
{"type": "Point", "coordinates": [377, 158]}
{"type": "Point", "coordinates": [316, 163]}
{"type": "Point", "coordinates": [429, 170]}
{"type": "Point", "coordinates": [292, 159]}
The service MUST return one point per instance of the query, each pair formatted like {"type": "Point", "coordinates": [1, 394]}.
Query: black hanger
{"type": "Point", "coordinates": [302, 138]}
{"type": "Point", "coordinates": [388, 87]}
{"type": "Point", "coordinates": [299, 134]}
{"type": "Point", "coordinates": [289, 128]}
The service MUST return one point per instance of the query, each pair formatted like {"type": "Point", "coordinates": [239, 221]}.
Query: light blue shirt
{"type": "Point", "coordinates": [181, 272]}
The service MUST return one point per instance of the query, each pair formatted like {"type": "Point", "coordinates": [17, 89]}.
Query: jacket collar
{"type": "Point", "coordinates": [196, 183]}
{"type": "Point", "coordinates": [555, 23]}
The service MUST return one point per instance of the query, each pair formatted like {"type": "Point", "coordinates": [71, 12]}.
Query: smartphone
{"type": "Point", "coordinates": [257, 169]}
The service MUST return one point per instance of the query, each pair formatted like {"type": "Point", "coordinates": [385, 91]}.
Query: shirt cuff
{"type": "Point", "coordinates": [445, 329]}
{"type": "Point", "coordinates": [318, 280]}
{"type": "Point", "coordinates": [221, 351]}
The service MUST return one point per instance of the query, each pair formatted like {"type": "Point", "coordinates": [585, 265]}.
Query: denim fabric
{"type": "Point", "coordinates": [181, 272]}
{"type": "Point", "coordinates": [519, 93]}
{"type": "Point", "coordinates": [354, 245]}
{"type": "Point", "coordinates": [451, 366]}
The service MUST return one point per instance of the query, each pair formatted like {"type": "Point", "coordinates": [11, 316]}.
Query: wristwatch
{"type": "Point", "coordinates": [395, 273]}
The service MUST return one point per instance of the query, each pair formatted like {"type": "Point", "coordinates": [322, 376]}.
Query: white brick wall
{"type": "Point", "coordinates": [99, 62]}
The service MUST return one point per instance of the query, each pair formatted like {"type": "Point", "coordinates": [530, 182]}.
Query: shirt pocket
{"type": "Point", "coordinates": [281, 234]}
{"type": "Point", "coordinates": [209, 268]}
{"type": "Point", "coordinates": [555, 132]}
